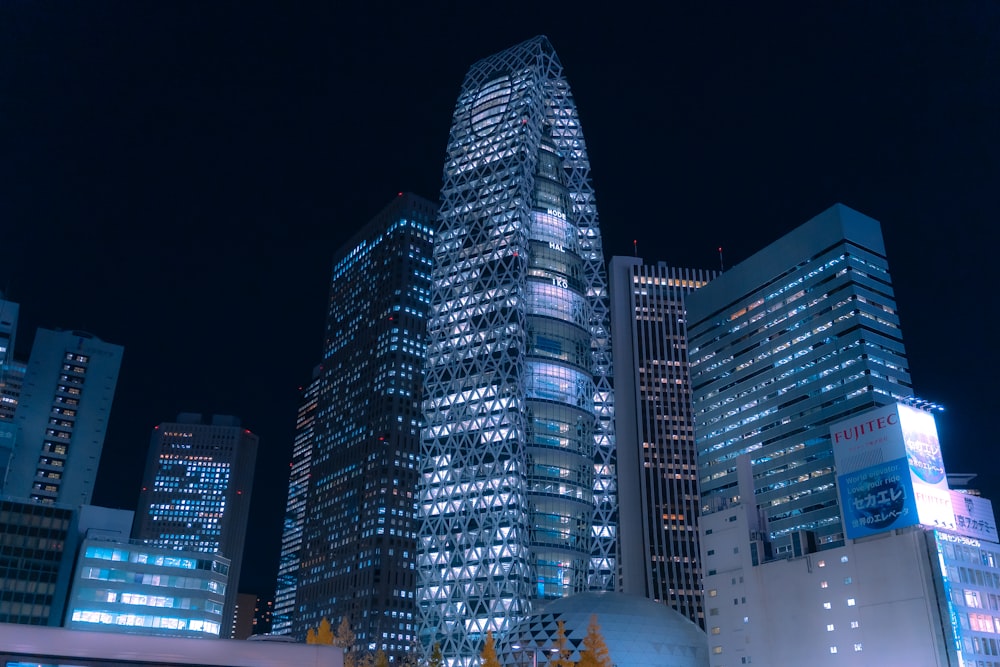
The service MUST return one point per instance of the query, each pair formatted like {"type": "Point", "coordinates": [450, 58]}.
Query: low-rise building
{"type": "Point", "coordinates": [21, 646]}
{"type": "Point", "coordinates": [128, 586]}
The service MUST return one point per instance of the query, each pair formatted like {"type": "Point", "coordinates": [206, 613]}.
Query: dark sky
{"type": "Point", "coordinates": [175, 177]}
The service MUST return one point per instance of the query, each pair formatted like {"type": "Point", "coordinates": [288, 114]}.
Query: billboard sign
{"type": "Point", "coordinates": [890, 471]}
{"type": "Point", "coordinates": [868, 439]}
{"type": "Point", "coordinates": [922, 447]}
{"type": "Point", "coordinates": [972, 516]}
{"type": "Point", "coordinates": [877, 498]}
{"type": "Point", "coordinates": [933, 504]}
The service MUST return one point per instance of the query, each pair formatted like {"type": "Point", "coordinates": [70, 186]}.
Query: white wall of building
{"type": "Point", "coordinates": [871, 602]}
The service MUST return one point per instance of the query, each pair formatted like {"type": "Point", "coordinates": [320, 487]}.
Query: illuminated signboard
{"type": "Point", "coordinates": [972, 516]}
{"type": "Point", "coordinates": [933, 504]}
{"type": "Point", "coordinates": [866, 440]}
{"type": "Point", "coordinates": [877, 498]}
{"type": "Point", "coordinates": [890, 471]}
{"type": "Point", "coordinates": [922, 447]}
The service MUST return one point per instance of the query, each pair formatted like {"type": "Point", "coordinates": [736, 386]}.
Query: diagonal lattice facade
{"type": "Point", "coordinates": [517, 498]}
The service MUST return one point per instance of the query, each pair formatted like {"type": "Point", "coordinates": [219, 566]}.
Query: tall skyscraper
{"type": "Point", "coordinates": [296, 506]}
{"type": "Point", "coordinates": [359, 542]}
{"type": "Point", "coordinates": [799, 336]}
{"type": "Point", "coordinates": [196, 492]}
{"type": "Point", "coordinates": [517, 495]}
{"type": "Point", "coordinates": [61, 416]}
{"type": "Point", "coordinates": [11, 378]}
{"type": "Point", "coordinates": [8, 329]}
{"type": "Point", "coordinates": [654, 428]}
{"type": "Point", "coordinates": [11, 382]}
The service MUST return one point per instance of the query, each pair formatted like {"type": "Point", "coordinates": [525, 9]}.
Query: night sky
{"type": "Point", "coordinates": [175, 177]}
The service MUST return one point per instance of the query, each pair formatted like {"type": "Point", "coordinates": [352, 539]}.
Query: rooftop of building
{"type": "Point", "coordinates": [834, 225]}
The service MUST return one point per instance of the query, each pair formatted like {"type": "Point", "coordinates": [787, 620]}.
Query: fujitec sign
{"type": "Point", "coordinates": [890, 471]}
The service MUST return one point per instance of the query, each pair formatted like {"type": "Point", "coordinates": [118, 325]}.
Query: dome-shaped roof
{"type": "Point", "coordinates": [638, 632]}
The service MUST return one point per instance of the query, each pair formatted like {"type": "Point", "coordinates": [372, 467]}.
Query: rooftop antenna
{"type": "Point", "coordinates": [722, 265]}
{"type": "Point", "coordinates": [635, 247]}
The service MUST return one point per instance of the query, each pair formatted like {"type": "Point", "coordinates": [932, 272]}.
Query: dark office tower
{"type": "Point", "coordinates": [11, 382]}
{"type": "Point", "coordinates": [196, 492]}
{"type": "Point", "coordinates": [263, 617]}
{"type": "Point", "coordinates": [799, 336]}
{"type": "Point", "coordinates": [517, 498]}
{"type": "Point", "coordinates": [11, 377]}
{"type": "Point", "coordinates": [37, 543]}
{"type": "Point", "coordinates": [654, 429]}
{"type": "Point", "coordinates": [61, 417]}
{"type": "Point", "coordinates": [359, 541]}
{"type": "Point", "coordinates": [246, 606]}
{"type": "Point", "coordinates": [295, 507]}
{"type": "Point", "coordinates": [8, 329]}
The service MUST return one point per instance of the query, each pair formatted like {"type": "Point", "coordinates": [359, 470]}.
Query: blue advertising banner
{"type": "Point", "coordinates": [877, 499]}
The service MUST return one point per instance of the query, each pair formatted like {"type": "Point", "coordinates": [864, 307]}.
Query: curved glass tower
{"type": "Point", "coordinates": [517, 500]}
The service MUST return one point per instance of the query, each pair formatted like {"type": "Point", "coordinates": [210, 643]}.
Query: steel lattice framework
{"type": "Point", "coordinates": [517, 497]}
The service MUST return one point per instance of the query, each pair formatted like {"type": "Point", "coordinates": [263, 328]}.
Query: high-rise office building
{"type": "Point", "coordinates": [799, 336]}
{"type": "Point", "coordinates": [657, 460]}
{"type": "Point", "coordinates": [196, 492]}
{"type": "Point", "coordinates": [295, 507]}
{"type": "Point", "coordinates": [356, 560]}
{"type": "Point", "coordinates": [11, 378]}
{"type": "Point", "coordinates": [517, 495]}
{"type": "Point", "coordinates": [11, 382]}
{"type": "Point", "coordinates": [8, 328]}
{"type": "Point", "coordinates": [61, 416]}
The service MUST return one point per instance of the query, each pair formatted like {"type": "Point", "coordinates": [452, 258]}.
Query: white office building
{"type": "Point", "coordinates": [917, 581]}
{"type": "Point", "coordinates": [62, 415]}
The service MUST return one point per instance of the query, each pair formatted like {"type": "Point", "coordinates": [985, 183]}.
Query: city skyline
{"type": "Point", "coordinates": [166, 166]}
